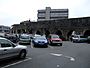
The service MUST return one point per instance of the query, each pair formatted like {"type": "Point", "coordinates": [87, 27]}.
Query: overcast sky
{"type": "Point", "coordinates": [15, 11]}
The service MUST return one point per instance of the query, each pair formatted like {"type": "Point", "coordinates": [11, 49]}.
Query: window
{"type": "Point", "coordinates": [55, 36]}
{"type": "Point", "coordinates": [41, 17]}
{"type": "Point", "coordinates": [0, 30]}
{"type": "Point", "coordinates": [24, 37]}
{"type": "Point", "coordinates": [5, 43]}
{"type": "Point", "coordinates": [58, 11]}
{"type": "Point", "coordinates": [0, 26]}
{"type": "Point", "coordinates": [41, 12]}
{"type": "Point", "coordinates": [58, 17]}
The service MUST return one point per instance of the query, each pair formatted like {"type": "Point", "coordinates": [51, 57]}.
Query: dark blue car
{"type": "Point", "coordinates": [40, 41]}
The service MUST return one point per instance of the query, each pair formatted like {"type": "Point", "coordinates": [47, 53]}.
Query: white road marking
{"type": "Point", "coordinates": [56, 54]}
{"type": "Point", "coordinates": [71, 58]}
{"type": "Point", "coordinates": [31, 45]}
{"type": "Point", "coordinates": [16, 63]}
{"type": "Point", "coordinates": [58, 66]}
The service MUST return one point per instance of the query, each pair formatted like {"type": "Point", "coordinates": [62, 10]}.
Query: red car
{"type": "Point", "coordinates": [54, 39]}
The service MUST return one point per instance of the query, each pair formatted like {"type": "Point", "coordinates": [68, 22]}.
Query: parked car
{"type": "Point", "coordinates": [24, 39]}
{"type": "Point", "coordinates": [54, 39]}
{"type": "Point", "coordinates": [36, 35]}
{"type": "Point", "coordinates": [79, 38]}
{"type": "Point", "coordinates": [12, 38]}
{"type": "Point", "coordinates": [40, 41]}
{"type": "Point", "coordinates": [63, 38]}
{"type": "Point", "coordinates": [8, 49]}
{"type": "Point", "coordinates": [31, 36]}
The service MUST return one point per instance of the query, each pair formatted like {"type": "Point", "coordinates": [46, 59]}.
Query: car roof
{"type": "Point", "coordinates": [54, 35]}
{"type": "Point", "coordinates": [2, 38]}
{"type": "Point", "coordinates": [24, 35]}
{"type": "Point", "coordinates": [40, 37]}
{"type": "Point", "coordinates": [76, 35]}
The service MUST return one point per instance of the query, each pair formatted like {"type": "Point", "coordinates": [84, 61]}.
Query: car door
{"type": "Point", "coordinates": [2, 55]}
{"type": "Point", "coordinates": [8, 49]}
{"type": "Point", "coordinates": [4, 48]}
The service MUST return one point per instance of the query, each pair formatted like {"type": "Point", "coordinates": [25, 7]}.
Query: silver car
{"type": "Point", "coordinates": [79, 38]}
{"type": "Point", "coordinates": [9, 49]}
{"type": "Point", "coordinates": [25, 39]}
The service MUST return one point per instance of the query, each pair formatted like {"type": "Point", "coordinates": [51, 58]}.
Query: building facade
{"type": "Point", "coordinates": [4, 29]}
{"type": "Point", "coordinates": [52, 14]}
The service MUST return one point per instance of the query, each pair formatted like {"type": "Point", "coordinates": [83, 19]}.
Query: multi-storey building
{"type": "Point", "coordinates": [52, 14]}
{"type": "Point", "coordinates": [4, 29]}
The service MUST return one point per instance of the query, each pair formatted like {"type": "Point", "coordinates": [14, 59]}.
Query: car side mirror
{"type": "Point", "coordinates": [14, 45]}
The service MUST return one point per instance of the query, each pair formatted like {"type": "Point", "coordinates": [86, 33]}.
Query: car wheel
{"type": "Point", "coordinates": [51, 44]}
{"type": "Point", "coordinates": [46, 46]}
{"type": "Point", "coordinates": [34, 45]}
{"type": "Point", "coordinates": [73, 41]}
{"type": "Point", "coordinates": [60, 44]}
{"type": "Point", "coordinates": [22, 54]}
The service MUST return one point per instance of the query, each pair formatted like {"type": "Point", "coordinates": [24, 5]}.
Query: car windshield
{"type": "Point", "coordinates": [76, 36]}
{"type": "Point", "coordinates": [83, 37]}
{"type": "Point", "coordinates": [2, 41]}
{"type": "Point", "coordinates": [55, 36]}
{"type": "Point", "coordinates": [40, 38]}
{"type": "Point", "coordinates": [5, 41]}
{"type": "Point", "coordinates": [24, 37]}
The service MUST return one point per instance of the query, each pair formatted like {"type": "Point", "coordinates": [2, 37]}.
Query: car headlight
{"type": "Point", "coordinates": [36, 41]}
{"type": "Point", "coordinates": [46, 41]}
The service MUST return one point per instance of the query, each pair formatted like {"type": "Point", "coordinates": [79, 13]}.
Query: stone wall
{"type": "Point", "coordinates": [63, 27]}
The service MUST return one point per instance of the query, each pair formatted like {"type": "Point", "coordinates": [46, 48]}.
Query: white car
{"type": "Point", "coordinates": [24, 39]}
{"type": "Point", "coordinates": [9, 49]}
{"type": "Point", "coordinates": [79, 38]}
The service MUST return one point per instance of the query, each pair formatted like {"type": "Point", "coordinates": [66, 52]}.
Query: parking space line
{"type": "Point", "coordinates": [31, 45]}
{"type": "Point", "coordinates": [69, 57]}
{"type": "Point", "coordinates": [16, 63]}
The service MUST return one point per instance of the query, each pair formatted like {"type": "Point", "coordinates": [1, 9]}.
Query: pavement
{"type": "Point", "coordinates": [69, 55]}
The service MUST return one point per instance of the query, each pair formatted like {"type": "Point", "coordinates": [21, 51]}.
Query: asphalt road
{"type": "Point", "coordinates": [70, 55]}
